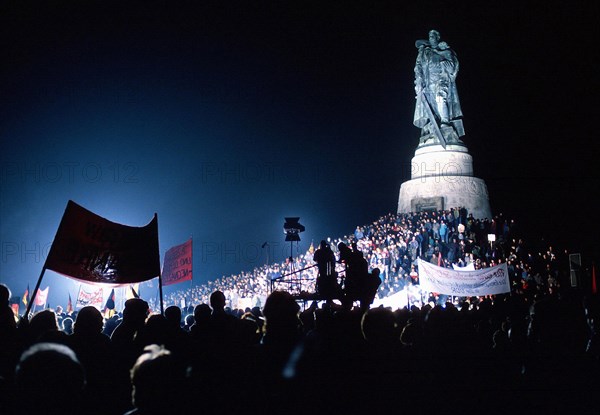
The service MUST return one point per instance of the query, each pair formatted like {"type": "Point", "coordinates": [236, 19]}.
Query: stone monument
{"type": "Point", "coordinates": [442, 168]}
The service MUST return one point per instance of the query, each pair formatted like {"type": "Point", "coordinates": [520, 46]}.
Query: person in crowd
{"type": "Point", "coordinates": [44, 372]}
{"type": "Point", "coordinates": [67, 325]}
{"type": "Point", "coordinates": [126, 348]}
{"type": "Point", "coordinates": [327, 285]}
{"type": "Point", "coordinates": [177, 336]}
{"type": "Point", "coordinates": [43, 327]}
{"type": "Point", "coordinates": [157, 383]}
{"type": "Point", "coordinates": [9, 337]}
{"type": "Point", "coordinates": [443, 231]}
{"type": "Point", "coordinates": [7, 317]}
{"type": "Point", "coordinates": [282, 333]}
{"type": "Point", "coordinates": [188, 322]}
{"type": "Point", "coordinates": [355, 283]}
{"type": "Point", "coordinates": [95, 352]}
{"type": "Point", "coordinates": [134, 315]}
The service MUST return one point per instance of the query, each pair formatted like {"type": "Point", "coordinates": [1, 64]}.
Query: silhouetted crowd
{"type": "Point", "coordinates": [535, 350]}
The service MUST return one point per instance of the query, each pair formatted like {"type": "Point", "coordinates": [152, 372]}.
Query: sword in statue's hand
{"type": "Point", "coordinates": [432, 120]}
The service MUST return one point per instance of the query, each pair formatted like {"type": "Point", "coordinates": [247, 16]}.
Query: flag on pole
{"type": "Point", "coordinates": [69, 305]}
{"type": "Point", "coordinates": [132, 291]}
{"type": "Point", "coordinates": [110, 302]}
{"type": "Point", "coordinates": [90, 248]}
{"type": "Point", "coordinates": [109, 307]}
{"type": "Point", "coordinates": [93, 298]}
{"type": "Point", "coordinates": [26, 296]}
{"type": "Point", "coordinates": [178, 264]}
{"type": "Point", "coordinates": [14, 304]}
{"type": "Point", "coordinates": [42, 297]}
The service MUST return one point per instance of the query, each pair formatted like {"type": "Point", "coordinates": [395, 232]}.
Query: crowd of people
{"type": "Point", "coordinates": [392, 245]}
{"type": "Point", "coordinates": [532, 350]}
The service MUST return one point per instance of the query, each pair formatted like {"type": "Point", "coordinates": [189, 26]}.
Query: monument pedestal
{"type": "Point", "coordinates": [442, 179]}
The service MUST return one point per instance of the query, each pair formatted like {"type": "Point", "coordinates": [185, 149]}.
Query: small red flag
{"type": "Point", "coordinates": [69, 305]}
{"type": "Point", "coordinates": [41, 297]}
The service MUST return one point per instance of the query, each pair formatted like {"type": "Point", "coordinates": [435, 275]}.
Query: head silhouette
{"type": "Point", "coordinates": [89, 321]}
{"type": "Point", "coordinates": [37, 374]}
{"type": "Point", "coordinates": [217, 301]}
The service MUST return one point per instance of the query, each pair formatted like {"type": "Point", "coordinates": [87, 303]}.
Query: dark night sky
{"type": "Point", "coordinates": [225, 117]}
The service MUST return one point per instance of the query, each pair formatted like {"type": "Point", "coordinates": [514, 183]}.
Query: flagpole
{"type": "Point", "coordinates": [35, 290]}
{"type": "Point", "coordinates": [162, 308]}
{"type": "Point", "coordinates": [37, 287]}
{"type": "Point", "coordinates": [77, 299]}
{"type": "Point", "coordinates": [191, 279]}
{"type": "Point", "coordinates": [157, 294]}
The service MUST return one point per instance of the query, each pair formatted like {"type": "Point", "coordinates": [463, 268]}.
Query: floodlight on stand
{"type": "Point", "coordinates": [292, 229]}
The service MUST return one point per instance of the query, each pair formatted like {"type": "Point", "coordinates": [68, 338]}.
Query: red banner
{"type": "Point", "coordinates": [178, 264]}
{"type": "Point", "coordinates": [90, 248]}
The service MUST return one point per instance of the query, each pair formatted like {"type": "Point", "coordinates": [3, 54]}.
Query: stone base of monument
{"type": "Point", "coordinates": [442, 179]}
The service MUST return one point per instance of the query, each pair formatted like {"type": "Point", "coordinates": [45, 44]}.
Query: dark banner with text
{"type": "Point", "coordinates": [90, 248]}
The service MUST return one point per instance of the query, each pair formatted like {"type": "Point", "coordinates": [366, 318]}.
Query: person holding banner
{"type": "Point", "coordinates": [414, 275]}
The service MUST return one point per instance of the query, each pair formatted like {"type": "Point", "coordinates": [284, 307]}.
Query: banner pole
{"type": "Point", "coordinates": [157, 294]}
{"type": "Point", "coordinates": [37, 287]}
{"type": "Point", "coordinates": [162, 309]}
{"type": "Point", "coordinates": [191, 279]}
{"type": "Point", "coordinates": [35, 290]}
